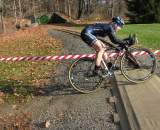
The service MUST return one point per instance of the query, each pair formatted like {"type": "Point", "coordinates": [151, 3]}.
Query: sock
{"type": "Point", "coordinates": [97, 67]}
{"type": "Point", "coordinates": [109, 65]}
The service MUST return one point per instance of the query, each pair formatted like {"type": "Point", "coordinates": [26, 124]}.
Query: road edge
{"type": "Point", "coordinates": [128, 120]}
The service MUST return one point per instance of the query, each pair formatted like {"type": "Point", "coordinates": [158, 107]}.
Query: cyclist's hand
{"type": "Point", "coordinates": [129, 41]}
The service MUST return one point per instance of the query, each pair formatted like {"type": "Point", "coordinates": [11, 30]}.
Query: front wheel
{"type": "Point", "coordinates": [138, 64]}
{"type": "Point", "coordinates": [81, 78]}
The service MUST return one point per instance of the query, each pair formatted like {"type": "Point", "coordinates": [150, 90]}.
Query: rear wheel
{"type": "Point", "coordinates": [81, 76]}
{"type": "Point", "coordinates": [138, 64]}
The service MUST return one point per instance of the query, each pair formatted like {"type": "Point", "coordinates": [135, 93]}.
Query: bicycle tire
{"type": "Point", "coordinates": [79, 79]}
{"type": "Point", "coordinates": [146, 65]}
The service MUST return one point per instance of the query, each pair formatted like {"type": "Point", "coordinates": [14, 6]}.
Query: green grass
{"type": "Point", "coordinates": [148, 34]}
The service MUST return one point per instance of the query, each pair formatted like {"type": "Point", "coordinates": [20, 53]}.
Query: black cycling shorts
{"type": "Point", "coordinates": [87, 37]}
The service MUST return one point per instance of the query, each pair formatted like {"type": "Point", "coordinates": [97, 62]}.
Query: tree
{"type": "Point", "coordinates": [80, 8]}
{"type": "Point", "coordinates": [144, 11]}
{"type": "Point", "coordinates": [2, 26]}
{"type": "Point", "coordinates": [157, 10]}
{"type": "Point", "coordinates": [15, 11]}
{"type": "Point", "coordinates": [75, 9]}
{"type": "Point", "coordinates": [20, 8]}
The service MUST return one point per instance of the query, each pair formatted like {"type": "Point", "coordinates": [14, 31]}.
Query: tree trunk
{"type": "Point", "coordinates": [88, 8]}
{"type": "Point", "coordinates": [58, 9]}
{"type": "Point", "coordinates": [15, 11]}
{"type": "Point", "coordinates": [2, 24]}
{"type": "Point", "coordinates": [112, 15]}
{"type": "Point", "coordinates": [69, 8]}
{"type": "Point", "coordinates": [2, 28]}
{"type": "Point", "coordinates": [20, 8]}
{"type": "Point", "coordinates": [66, 7]}
{"type": "Point", "coordinates": [34, 10]}
{"type": "Point", "coordinates": [80, 9]}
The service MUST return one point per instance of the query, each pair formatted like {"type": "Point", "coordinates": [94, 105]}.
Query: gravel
{"type": "Point", "coordinates": [65, 108]}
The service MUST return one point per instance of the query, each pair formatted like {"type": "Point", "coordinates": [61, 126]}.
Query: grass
{"type": "Point", "coordinates": [18, 80]}
{"type": "Point", "coordinates": [148, 34]}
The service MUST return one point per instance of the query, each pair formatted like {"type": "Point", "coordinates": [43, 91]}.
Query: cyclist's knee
{"type": "Point", "coordinates": [101, 52]}
{"type": "Point", "coordinates": [98, 46]}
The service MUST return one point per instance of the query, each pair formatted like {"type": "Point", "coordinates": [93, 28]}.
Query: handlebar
{"type": "Point", "coordinates": [134, 37]}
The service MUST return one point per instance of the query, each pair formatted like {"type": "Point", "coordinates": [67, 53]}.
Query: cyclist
{"type": "Point", "coordinates": [89, 35]}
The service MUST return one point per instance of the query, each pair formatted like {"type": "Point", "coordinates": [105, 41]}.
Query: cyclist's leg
{"type": "Point", "coordinates": [105, 55]}
{"type": "Point", "coordinates": [100, 48]}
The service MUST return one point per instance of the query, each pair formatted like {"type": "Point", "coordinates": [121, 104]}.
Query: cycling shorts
{"type": "Point", "coordinates": [88, 37]}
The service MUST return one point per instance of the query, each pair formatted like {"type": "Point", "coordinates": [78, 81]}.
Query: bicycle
{"type": "Point", "coordinates": [136, 65]}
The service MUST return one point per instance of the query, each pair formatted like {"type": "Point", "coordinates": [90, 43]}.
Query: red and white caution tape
{"type": "Point", "coordinates": [45, 58]}
{"type": "Point", "coordinates": [64, 57]}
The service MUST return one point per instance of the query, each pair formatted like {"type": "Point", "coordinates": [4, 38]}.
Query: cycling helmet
{"type": "Point", "coordinates": [118, 20]}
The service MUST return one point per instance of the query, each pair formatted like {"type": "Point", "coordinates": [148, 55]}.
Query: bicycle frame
{"type": "Point", "coordinates": [124, 54]}
{"type": "Point", "coordinates": [114, 64]}
{"type": "Point", "coordinates": [120, 52]}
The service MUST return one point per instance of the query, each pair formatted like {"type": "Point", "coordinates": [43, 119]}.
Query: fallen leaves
{"type": "Point", "coordinates": [20, 121]}
{"type": "Point", "coordinates": [47, 124]}
{"type": "Point", "coordinates": [1, 94]}
{"type": "Point", "coordinates": [1, 97]}
{"type": "Point", "coordinates": [1, 101]}
{"type": "Point", "coordinates": [14, 106]}
{"type": "Point", "coordinates": [30, 42]}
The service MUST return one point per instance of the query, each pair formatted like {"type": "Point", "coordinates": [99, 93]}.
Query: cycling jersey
{"type": "Point", "coordinates": [89, 33]}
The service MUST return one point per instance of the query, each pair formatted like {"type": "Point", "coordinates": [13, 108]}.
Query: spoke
{"type": "Point", "coordinates": [142, 69]}
{"type": "Point", "coordinates": [80, 76]}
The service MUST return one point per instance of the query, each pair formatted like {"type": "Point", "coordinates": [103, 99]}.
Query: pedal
{"type": "Point", "coordinates": [104, 76]}
{"type": "Point", "coordinates": [110, 73]}
{"type": "Point", "coordinates": [107, 75]}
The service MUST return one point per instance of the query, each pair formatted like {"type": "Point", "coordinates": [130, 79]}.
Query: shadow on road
{"type": "Point", "coordinates": [125, 83]}
{"type": "Point", "coordinates": [18, 88]}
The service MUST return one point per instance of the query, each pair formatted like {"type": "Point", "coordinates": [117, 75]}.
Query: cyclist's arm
{"type": "Point", "coordinates": [113, 37]}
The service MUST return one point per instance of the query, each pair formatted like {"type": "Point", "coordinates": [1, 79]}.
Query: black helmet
{"type": "Point", "coordinates": [118, 20]}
